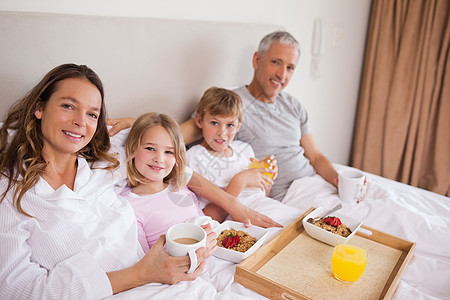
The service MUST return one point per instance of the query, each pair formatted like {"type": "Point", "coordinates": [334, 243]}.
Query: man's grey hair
{"type": "Point", "coordinates": [280, 37]}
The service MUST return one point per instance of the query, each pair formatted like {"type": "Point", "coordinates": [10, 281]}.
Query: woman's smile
{"type": "Point", "coordinates": [73, 134]}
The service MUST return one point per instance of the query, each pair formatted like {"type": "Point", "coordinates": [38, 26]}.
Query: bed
{"type": "Point", "coordinates": [404, 211]}
{"type": "Point", "coordinates": [401, 210]}
{"type": "Point", "coordinates": [33, 43]}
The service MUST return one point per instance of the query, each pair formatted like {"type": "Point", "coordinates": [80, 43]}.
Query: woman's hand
{"type": "Point", "coordinates": [173, 269]}
{"type": "Point", "coordinates": [238, 211]}
{"type": "Point", "coordinates": [158, 266]}
{"type": "Point", "coordinates": [119, 124]}
{"type": "Point", "coordinates": [246, 215]}
{"type": "Point", "coordinates": [211, 241]}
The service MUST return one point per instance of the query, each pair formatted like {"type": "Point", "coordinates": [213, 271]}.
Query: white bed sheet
{"type": "Point", "coordinates": [407, 212]}
{"type": "Point", "coordinates": [389, 206]}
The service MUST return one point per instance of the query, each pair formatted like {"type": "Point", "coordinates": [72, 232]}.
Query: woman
{"type": "Point", "coordinates": [63, 231]}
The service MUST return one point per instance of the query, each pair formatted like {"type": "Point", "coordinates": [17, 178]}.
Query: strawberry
{"type": "Point", "coordinates": [333, 221]}
{"type": "Point", "coordinates": [231, 240]}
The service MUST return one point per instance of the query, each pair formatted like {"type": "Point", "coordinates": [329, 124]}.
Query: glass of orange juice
{"type": "Point", "coordinates": [261, 164]}
{"type": "Point", "coordinates": [349, 261]}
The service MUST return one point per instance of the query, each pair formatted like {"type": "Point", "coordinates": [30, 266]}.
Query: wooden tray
{"type": "Point", "coordinates": [293, 265]}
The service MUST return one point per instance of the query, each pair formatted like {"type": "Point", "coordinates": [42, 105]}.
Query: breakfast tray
{"type": "Point", "coordinates": [293, 265]}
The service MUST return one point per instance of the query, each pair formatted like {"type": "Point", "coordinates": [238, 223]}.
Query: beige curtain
{"type": "Point", "coordinates": [402, 128]}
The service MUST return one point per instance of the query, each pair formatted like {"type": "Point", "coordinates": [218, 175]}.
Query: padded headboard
{"type": "Point", "coordinates": [145, 64]}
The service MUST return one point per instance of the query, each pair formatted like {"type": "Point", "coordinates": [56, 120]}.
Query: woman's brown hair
{"type": "Point", "coordinates": [134, 139]}
{"type": "Point", "coordinates": [21, 140]}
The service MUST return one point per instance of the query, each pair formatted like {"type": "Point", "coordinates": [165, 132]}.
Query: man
{"type": "Point", "coordinates": [274, 122]}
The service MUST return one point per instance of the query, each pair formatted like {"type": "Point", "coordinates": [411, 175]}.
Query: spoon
{"type": "Point", "coordinates": [336, 207]}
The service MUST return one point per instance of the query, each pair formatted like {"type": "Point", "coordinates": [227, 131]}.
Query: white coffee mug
{"type": "Point", "coordinates": [183, 239]}
{"type": "Point", "coordinates": [352, 186]}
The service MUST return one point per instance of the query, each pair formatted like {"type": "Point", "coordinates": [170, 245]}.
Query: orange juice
{"type": "Point", "coordinates": [261, 164]}
{"type": "Point", "coordinates": [348, 262]}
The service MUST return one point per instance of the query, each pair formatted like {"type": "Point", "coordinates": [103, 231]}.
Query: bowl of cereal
{"type": "Point", "coordinates": [235, 242]}
{"type": "Point", "coordinates": [333, 229]}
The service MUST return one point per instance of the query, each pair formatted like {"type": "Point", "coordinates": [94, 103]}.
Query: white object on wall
{"type": "Point", "coordinates": [317, 47]}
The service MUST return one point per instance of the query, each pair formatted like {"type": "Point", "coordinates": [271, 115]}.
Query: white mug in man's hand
{"type": "Point", "coordinates": [183, 239]}
{"type": "Point", "coordinates": [352, 186]}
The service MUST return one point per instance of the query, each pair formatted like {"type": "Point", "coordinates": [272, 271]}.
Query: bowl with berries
{"type": "Point", "coordinates": [235, 242]}
{"type": "Point", "coordinates": [331, 229]}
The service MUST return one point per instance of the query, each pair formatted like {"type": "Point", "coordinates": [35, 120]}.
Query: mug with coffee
{"type": "Point", "coordinates": [183, 239]}
{"type": "Point", "coordinates": [352, 186]}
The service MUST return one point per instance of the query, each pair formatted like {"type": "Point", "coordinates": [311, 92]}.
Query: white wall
{"type": "Point", "coordinates": [330, 99]}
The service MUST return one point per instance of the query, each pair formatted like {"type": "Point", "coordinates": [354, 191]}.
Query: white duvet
{"type": "Point", "coordinates": [398, 209]}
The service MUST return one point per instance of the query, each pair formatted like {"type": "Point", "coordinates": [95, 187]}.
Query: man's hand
{"type": "Point", "coordinates": [119, 124]}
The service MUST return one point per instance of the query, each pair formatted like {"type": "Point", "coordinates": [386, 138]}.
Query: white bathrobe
{"type": "Point", "coordinates": [74, 237]}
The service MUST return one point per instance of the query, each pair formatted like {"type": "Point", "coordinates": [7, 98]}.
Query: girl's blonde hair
{"type": "Point", "coordinates": [21, 140]}
{"type": "Point", "coordinates": [134, 140]}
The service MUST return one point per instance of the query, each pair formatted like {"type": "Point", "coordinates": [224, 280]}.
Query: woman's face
{"type": "Point", "coordinates": [155, 158]}
{"type": "Point", "coordinates": [69, 118]}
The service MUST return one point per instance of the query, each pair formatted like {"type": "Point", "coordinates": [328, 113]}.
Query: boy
{"type": "Point", "coordinates": [220, 158]}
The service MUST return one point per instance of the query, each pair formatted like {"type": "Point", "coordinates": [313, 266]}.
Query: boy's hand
{"type": "Point", "coordinates": [272, 169]}
{"type": "Point", "coordinates": [273, 165]}
{"type": "Point", "coordinates": [254, 178]}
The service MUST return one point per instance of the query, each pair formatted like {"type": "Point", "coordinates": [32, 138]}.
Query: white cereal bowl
{"type": "Point", "coordinates": [234, 256]}
{"type": "Point", "coordinates": [326, 236]}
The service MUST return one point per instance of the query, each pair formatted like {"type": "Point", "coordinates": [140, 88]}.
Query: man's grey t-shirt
{"type": "Point", "coordinates": [276, 128]}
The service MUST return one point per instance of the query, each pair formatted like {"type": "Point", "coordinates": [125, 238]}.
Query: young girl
{"type": "Point", "coordinates": [157, 177]}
